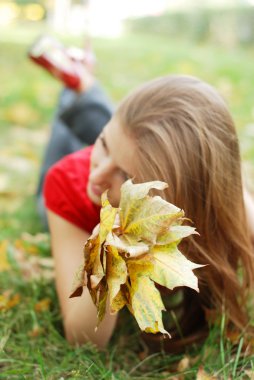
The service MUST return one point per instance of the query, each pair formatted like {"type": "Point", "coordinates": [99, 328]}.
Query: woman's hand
{"type": "Point", "coordinates": [79, 314]}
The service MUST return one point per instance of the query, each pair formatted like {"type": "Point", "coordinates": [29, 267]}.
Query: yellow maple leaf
{"type": "Point", "coordinates": [116, 272]}
{"type": "Point", "coordinates": [171, 268]}
{"type": "Point", "coordinates": [143, 216]}
{"type": "Point", "coordinates": [146, 302]}
{"type": "Point", "coordinates": [133, 248]}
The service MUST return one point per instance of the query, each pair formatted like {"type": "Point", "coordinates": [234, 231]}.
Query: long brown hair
{"type": "Point", "coordinates": [185, 136]}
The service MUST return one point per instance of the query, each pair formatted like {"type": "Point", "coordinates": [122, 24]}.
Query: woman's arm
{"type": "Point", "coordinates": [79, 314]}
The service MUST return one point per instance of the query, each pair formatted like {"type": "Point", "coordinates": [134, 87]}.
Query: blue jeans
{"type": "Point", "coordinates": [78, 121]}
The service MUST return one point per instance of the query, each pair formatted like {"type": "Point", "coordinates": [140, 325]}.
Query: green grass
{"type": "Point", "coordinates": [28, 96]}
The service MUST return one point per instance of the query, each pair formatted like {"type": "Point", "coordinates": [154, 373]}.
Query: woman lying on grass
{"type": "Point", "coordinates": [178, 130]}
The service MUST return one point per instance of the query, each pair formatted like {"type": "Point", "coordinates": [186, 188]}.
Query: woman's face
{"type": "Point", "coordinates": [111, 163]}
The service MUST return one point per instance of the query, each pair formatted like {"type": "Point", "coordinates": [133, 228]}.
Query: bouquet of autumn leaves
{"type": "Point", "coordinates": [134, 247]}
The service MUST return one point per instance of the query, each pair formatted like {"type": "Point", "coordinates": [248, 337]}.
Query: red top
{"type": "Point", "coordinates": [65, 190]}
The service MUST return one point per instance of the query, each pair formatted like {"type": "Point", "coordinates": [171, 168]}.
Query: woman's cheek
{"type": "Point", "coordinates": [97, 153]}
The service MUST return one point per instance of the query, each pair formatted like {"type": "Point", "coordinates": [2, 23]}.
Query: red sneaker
{"type": "Point", "coordinates": [63, 63]}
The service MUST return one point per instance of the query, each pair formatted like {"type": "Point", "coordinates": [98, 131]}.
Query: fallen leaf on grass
{"type": "Point", "coordinates": [42, 305]}
{"type": "Point", "coordinates": [7, 301]}
{"type": "Point", "coordinates": [37, 268]}
{"type": "Point", "coordinates": [35, 332]}
{"type": "Point", "coordinates": [250, 374]}
{"type": "Point", "coordinates": [21, 113]}
{"type": "Point", "coordinates": [26, 247]}
{"type": "Point", "coordinates": [134, 248]}
{"type": "Point", "coordinates": [4, 263]}
{"type": "Point", "coordinates": [203, 375]}
{"type": "Point", "coordinates": [35, 239]}
{"type": "Point", "coordinates": [32, 266]}
{"type": "Point", "coordinates": [183, 364]}
{"type": "Point", "coordinates": [32, 243]}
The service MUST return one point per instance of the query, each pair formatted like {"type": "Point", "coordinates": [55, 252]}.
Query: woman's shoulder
{"type": "Point", "coordinates": [79, 160]}
{"type": "Point", "coordinates": [65, 190]}
{"type": "Point", "coordinates": [73, 168]}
